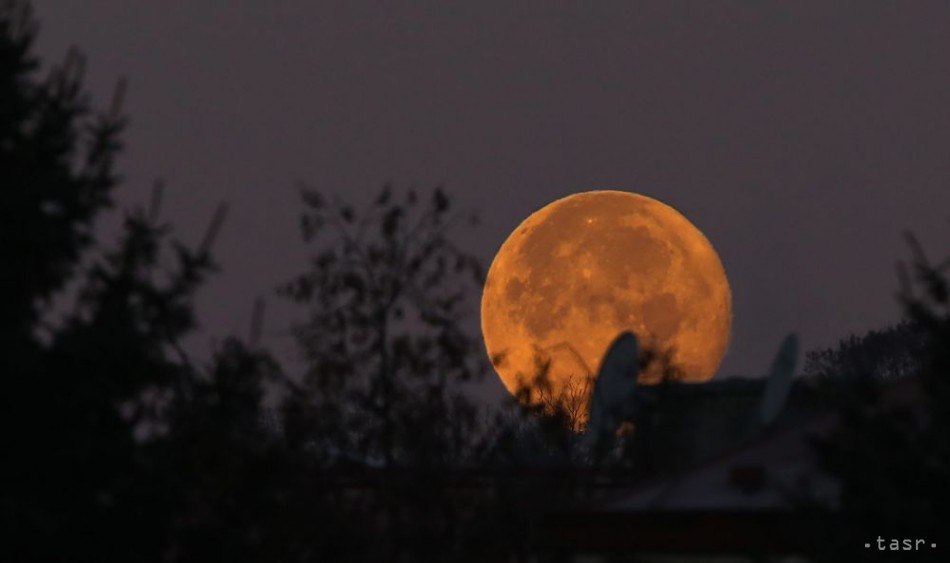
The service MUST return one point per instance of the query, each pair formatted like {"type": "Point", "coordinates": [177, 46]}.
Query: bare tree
{"type": "Point", "coordinates": [387, 292]}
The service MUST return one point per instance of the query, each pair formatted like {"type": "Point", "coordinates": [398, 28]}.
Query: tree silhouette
{"type": "Point", "coordinates": [386, 294]}
{"type": "Point", "coordinates": [98, 409]}
{"type": "Point", "coordinates": [890, 454]}
{"type": "Point", "coordinates": [890, 353]}
{"type": "Point", "coordinates": [56, 165]}
{"type": "Point", "coordinates": [56, 159]}
{"type": "Point", "coordinates": [383, 405]}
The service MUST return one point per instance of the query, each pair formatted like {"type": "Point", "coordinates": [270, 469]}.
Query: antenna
{"type": "Point", "coordinates": [155, 203]}
{"type": "Point", "coordinates": [612, 400]}
{"type": "Point", "coordinates": [257, 322]}
{"type": "Point", "coordinates": [779, 382]}
{"type": "Point", "coordinates": [216, 221]}
{"type": "Point", "coordinates": [118, 97]}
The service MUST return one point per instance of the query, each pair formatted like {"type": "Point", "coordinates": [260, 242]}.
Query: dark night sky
{"type": "Point", "coordinates": [801, 138]}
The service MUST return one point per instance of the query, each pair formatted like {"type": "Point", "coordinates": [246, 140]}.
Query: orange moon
{"type": "Point", "coordinates": [584, 268]}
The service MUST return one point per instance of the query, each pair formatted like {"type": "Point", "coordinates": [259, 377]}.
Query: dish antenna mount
{"type": "Point", "coordinates": [779, 382]}
{"type": "Point", "coordinates": [613, 400]}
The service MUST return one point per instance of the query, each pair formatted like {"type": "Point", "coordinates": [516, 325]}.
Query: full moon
{"type": "Point", "coordinates": [587, 267]}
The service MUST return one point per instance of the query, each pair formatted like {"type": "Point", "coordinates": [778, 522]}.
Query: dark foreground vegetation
{"type": "Point", "coordinates": [116, 446]}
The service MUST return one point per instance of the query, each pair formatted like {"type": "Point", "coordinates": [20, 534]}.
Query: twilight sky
{"type": "Point", "coordinates": [801, 138]}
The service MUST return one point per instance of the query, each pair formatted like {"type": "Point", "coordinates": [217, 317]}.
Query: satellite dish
{"type": "Point", "coordinates": [612, 400]}
{"type": "Point", "coordinates": [779, 382]}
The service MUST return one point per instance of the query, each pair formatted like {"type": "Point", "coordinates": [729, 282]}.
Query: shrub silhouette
{"type": "Point", "coordinates": [891, 455]}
